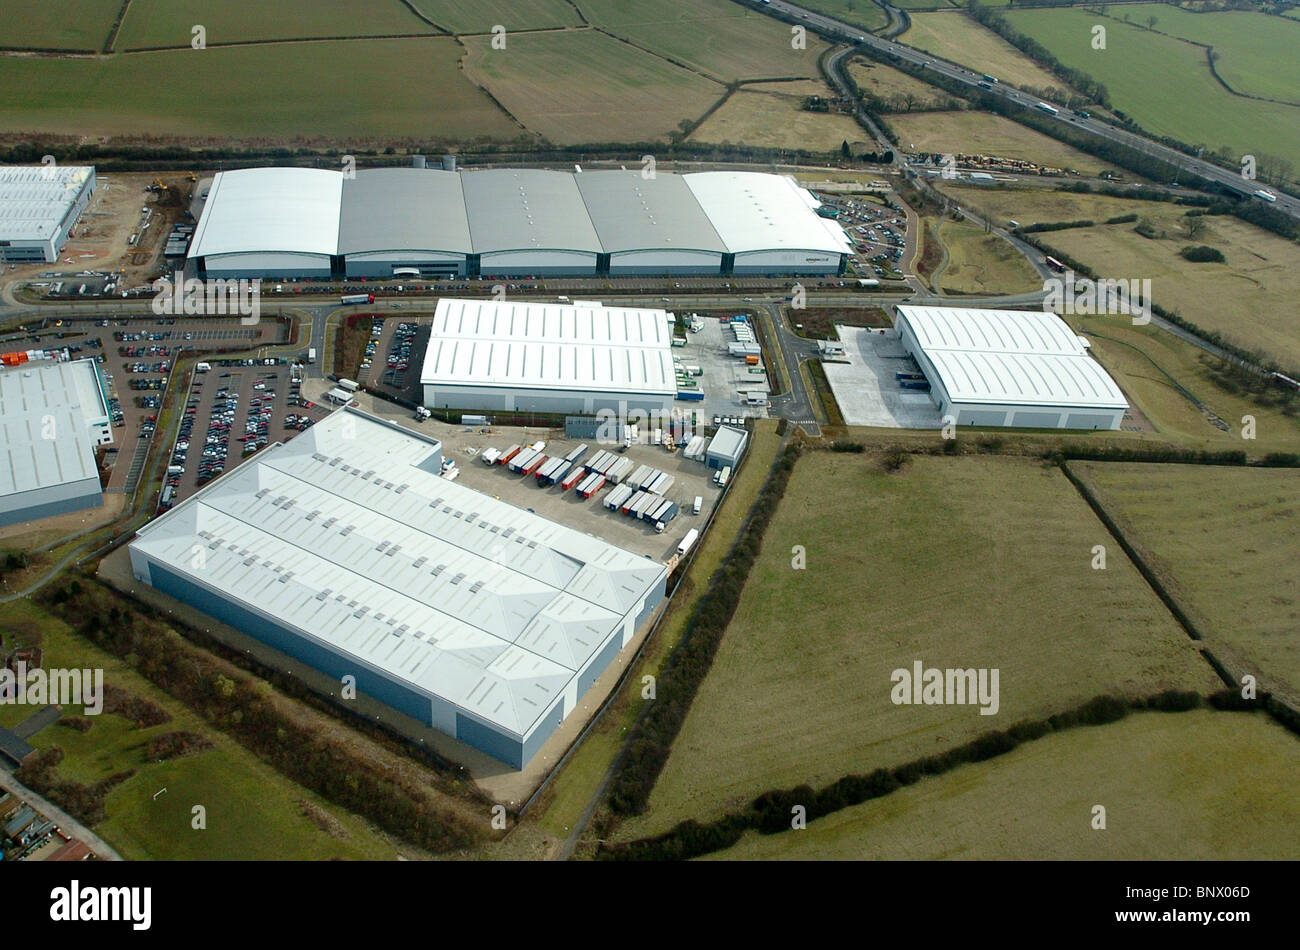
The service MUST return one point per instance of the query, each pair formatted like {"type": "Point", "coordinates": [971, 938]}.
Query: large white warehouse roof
{"type": "Point", "coordinates": [271, 209]}
{"type": "Point", "coordinates": [348, 535]}
{"type": "Point", "coordinates": [34, 199]}
{"type": "Point", "coordinates": [549, 346]}
{"type": "Point", "coordinates": [46, 411]}
{"type": "Point", "coordinates": [493, 211]}
{"type": "Point", "coordinates": [1013, 357]}
{"type": "Point", "coordinates": [752, 211]}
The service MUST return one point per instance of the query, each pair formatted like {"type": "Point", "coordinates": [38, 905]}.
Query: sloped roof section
{"type": "Point", "coordinates": [348, 535]}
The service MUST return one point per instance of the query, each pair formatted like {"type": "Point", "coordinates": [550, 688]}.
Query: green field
{"type": "Point", "coordinates": [775, 120]}
{"type": "Point", "coordinates": [1165, 84]}
{"type": "Point", "coordinates": [576, 86]}
{"type": "Point", "coordinates": [252, 810]}
{"type": "Point", "coordinates": [1249, 298]}
{"type": "Point", "coordinates": [276, 92]}
{"type": "Point", "coordinates": [479, 16]}
{"type": "Point", "coordinates": [1224, 540]}
{"type": "Point", "coordinates": [951, 562]}
{"type": "Point", "coordinates": [1257, 52]}
{"type": "Point", "coordinates": [980, 263]}
{"type": "Point", "coordinates": [169, 23]}
{"type": "Point", "coordinates": [1193, 786]}
{"type": "Point", "coordinates": [960, 39]}
{"type": "Point", "coordinates": [718, 38]}
{"type": "Point", "coordinates": [861, 13]}
{"type": "Point", "coordinates": [57, 24]}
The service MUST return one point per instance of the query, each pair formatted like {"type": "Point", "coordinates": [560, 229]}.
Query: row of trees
{"type": "Point", "coordinates": [236, 703]}
{"type": "Point", "coordinates": [772, 812]}
{"type": "Point", "coordinates": [653, 734]}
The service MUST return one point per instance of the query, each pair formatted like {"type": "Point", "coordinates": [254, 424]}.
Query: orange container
{"type": "Point", "coordinates": [751, 360]}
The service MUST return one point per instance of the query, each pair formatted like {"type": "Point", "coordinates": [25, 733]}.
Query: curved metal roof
{"type": "Point", "coordinates": [294, 210]}
{"type": "Point", "coordinates": [403, 209]}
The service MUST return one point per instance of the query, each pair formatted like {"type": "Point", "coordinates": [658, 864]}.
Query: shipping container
{"type": "Point", "coordinates": [631, 501]}
{"type": "Point", "coordinates": [545, 470]}
{"type": "Point", "coordinates": [691, 395]}
{"type": "Point", "coordinates": [752, 359]}
{"type": "Point", "coordinates": [523, 458]}
{"type": "Point", "coordinates": [577, 453]}
{"type": "Point", "coordinates": [668, 514]}
{"type": "Point", "coordinates": [592, 486]}
{"type": "Point", "coordinates": [618, 471]}
{"type": "Point", "coordinates": [508, 454]}
{"type": "Point", "coordinates": [614, 500]}
{"type": "Point", "coordinates": [572, 478]}
{"type": "Point", "coordinates": [656, 512]}
{"type": "Point", "coordinates": [637, 478]}
{"type": "Point", "coordinates": [558, 473]}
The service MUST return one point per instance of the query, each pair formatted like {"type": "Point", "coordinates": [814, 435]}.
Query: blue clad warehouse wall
{"type": "Point", "coordinates": [288, 642]}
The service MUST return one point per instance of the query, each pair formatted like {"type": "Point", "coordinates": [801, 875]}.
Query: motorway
{"type": "Point", "coordinates": [838, 30]}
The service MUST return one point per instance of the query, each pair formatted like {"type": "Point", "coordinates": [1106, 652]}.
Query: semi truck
{"type": "Point", "coordinates": [1050, 110]}
{"type": "Point", "coordinates": [687, 542]}
{"type": "Point", "coordinates": [349, 385]}
{"type": "Point", "coordinates": [358, 298]}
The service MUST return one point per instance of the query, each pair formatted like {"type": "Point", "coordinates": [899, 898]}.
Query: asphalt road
{"type": "Point", "coordinates": [838, 30]}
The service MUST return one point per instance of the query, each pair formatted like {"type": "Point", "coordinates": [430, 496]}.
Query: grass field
{"type": "Point", "coordinates": [983, 133]}
{"type": "Point", "coordinates": [57, 24]}
{"type": "Point", "coordinates": [168, 23]}
{"type": "Point", "coordinates": [1165, 84]}
{"type": "Point", "coordinates": [861, 13]}
{"type": "Point", "coordinates": [961, 40]}
{"type": "Point", "coordinates": [1143, 360]}
{"type": "Point", "coordinates": [721, 39]}
{"type": "Point", "coordinates": [577, 782]}
{"type": "Point", "coordinates": [1249, 298]}
{"type": "Point", "coordinates": [582, 86]}
{"type": "Point", "coordinates": [1257, 52]}
{"type": "Point", "coordinates": [775, 120]}
{"type": "Point", "coordinates": [252, 810]}
{"type": "Point", "coordinates": [265, 92]}
{"type": "Point", "coordinates": [980, 263]}
{"type": "Point", "coordinates": [950, 562]}
{"type": "Point", "coordinates": [1194, 786]}
{"type": "Point", "coordinates": [1223, 539]}
{"type": "Point", "coordinates": [893, 84]}
{"type": "Point", "coordinates": [479, 16]}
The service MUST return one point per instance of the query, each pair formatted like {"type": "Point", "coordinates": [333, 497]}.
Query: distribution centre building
{"type": "Point", "coordinates": [517, 356]}
{"type": "Point", "coordinates": [39, 204]}
{"type": "Point", "coordinates": [52, 417]}
{"type": "Point", "coordinates": [1023, 368]}
{"type": "Point", "coordinates": [315, 223]}
{"type": "Point", "coordinates": [346, 550]}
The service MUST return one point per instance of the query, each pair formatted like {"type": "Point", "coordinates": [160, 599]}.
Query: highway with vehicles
{"type": "Point", "coordinates": [838, 30]}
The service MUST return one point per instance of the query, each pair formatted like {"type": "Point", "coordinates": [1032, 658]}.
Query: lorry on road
{"type": "Point", "coordinates": [1050, 110]}
{"type": "Point", "coordinates": [687, 542]}
{"type": "Point", "coordinates": [349, 385]}
{"type": "Point", "coordinates": [358, 298]}
{"type": "Point", "coordinates": [311, 355]}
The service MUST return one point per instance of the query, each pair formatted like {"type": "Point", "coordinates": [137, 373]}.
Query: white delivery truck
{"type": "Point", "coordinates": [687, 542]}
{"type": "Point", "coordinates": [699, 503]}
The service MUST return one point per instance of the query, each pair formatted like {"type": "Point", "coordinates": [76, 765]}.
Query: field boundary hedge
{"type": "Point", "coordinates": [652, 735]}
{"type": "Point", "coordinates": [771, 812]}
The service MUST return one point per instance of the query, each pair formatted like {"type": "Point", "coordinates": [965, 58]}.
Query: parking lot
{"type": "Point", "coordinates": [136, 356]}
{"type": "Point", "coordinates": [396, 353]}
{"type": "Point", "coordinates": [230, 412]}
{"type": "Point", "coordinates": [879, 233]}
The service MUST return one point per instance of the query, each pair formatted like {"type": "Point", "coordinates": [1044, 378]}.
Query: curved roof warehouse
{"type": "Point", "coordinates": [314, 223]}
{"type": "Point", "coordinates": [1009, 368]}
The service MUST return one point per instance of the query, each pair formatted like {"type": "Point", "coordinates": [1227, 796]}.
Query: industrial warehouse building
{"type": "Point", "coordinates": [726, 447]}
{"type": "Point", "coordinates": [1009, 368]}
{"type": "Point", "coordinates": [516, 356]}
{"type": "Point", "coordinates": [39, 204]}
{"type": "Point", "coordinates": [52, 417]}
{"type": "Point", "coordinates": [391, 222]}
{"type": "Point", "coordinates": [346, 550]}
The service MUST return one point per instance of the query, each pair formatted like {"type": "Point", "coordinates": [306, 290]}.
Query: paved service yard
{"type": "Point", "coordinates": [865, 387]}
{"type": "Point", "coordinates": [725, 376]}
{"type": "Point", "coordinates": [690, 478]}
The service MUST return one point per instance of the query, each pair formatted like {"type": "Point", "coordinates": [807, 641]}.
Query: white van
{"type": "Point", "coordinates": [699, 503]}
